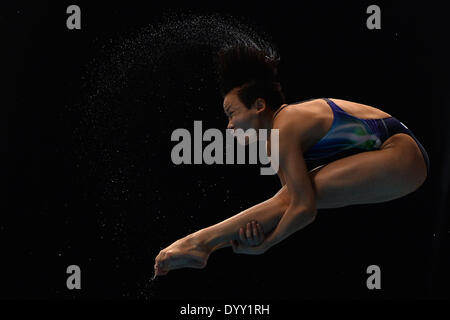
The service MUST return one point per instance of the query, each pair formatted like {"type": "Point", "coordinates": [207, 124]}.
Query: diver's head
{"type": "Point", "coordinates": [250, 90]}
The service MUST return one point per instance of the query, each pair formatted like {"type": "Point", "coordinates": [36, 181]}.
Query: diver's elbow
{"type": "Point", "coordinates": [310, 215]}
{"type": "Point", "coordinates": [304, 215]}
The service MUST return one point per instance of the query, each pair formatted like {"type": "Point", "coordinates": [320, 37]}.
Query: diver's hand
{"type": "Point", "coordinates": [251, 239]}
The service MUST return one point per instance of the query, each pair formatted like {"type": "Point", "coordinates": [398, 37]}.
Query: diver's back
{"type": "Point", "coordinates": [359, 110]}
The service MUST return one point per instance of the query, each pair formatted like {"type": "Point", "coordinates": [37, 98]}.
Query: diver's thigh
{"type": "Point", "coordinates": [367, 177]}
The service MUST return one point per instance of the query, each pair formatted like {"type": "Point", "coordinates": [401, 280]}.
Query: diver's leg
{"type": "Point", "coordinates": [393, 171]}
{"type": "Point", "coordinates": [193, 250]}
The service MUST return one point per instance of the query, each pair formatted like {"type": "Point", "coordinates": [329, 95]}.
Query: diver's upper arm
{"type": "Point", "coordinates": [292, 136]}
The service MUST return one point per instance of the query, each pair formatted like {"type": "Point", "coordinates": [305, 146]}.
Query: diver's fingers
{"type": "Point", "coordinates": [248, 232]}
{"type": "Point", "coordinates": [242, 235]}
{"type": "Point", "coordinates": [260, 232]}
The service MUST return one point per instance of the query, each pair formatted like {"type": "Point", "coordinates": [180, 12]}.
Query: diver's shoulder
{"type": "Point", "coordinates": [301, 112]}
{"type": "Point", "coordinates": [298, 118]}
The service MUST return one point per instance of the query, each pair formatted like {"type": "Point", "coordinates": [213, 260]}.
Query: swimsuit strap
{"type": "Point", "coordinates": [288, 104]}
{"type": "Point", "coordinates": [278, 110]}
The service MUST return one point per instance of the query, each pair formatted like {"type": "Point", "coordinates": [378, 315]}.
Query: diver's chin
{"type": "Point", "coordinates": [246, 139]}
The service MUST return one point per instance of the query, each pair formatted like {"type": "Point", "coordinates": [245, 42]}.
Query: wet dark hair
{"type": "Point", "coordinates": [254, 72]}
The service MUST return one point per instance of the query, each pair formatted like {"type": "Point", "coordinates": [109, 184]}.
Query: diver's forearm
{"type": "Point", "coordinates": [267, 213]}
{"type": "Point", "coordinates": [292, 220]}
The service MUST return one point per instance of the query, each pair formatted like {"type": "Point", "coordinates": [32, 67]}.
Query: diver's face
{"type": "Point", "coordinates": [239, 116]}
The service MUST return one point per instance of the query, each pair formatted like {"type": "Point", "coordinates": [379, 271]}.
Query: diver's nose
{"type": "Point", "coordinates": [230, 125]}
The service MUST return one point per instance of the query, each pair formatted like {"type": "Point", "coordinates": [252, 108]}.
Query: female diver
{"type": "Point", "coordinates": [332, 153]}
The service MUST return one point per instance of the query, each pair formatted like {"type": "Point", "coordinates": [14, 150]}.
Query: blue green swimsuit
{"type": "Point", "coordinates": [350, 135]}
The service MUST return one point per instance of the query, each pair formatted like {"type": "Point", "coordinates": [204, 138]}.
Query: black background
{"type": "Point", "coordinates": [110, 213]}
